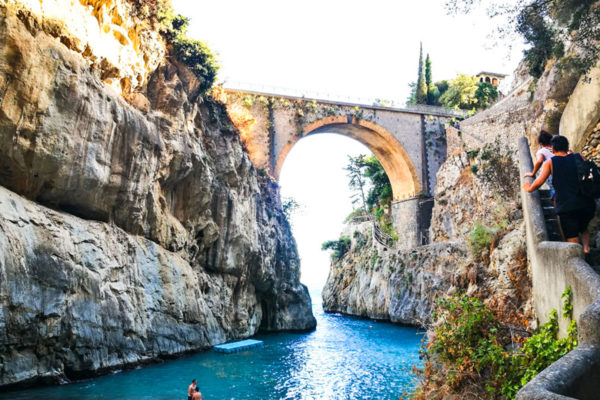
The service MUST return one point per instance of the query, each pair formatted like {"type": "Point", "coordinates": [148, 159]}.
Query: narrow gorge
{"type": "Point", "coordinates": [141, 215]}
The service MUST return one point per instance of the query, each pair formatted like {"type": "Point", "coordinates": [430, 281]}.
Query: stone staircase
{"type": "Point", "coordinates": [554, 266]}
{"type": "Point", "coordinates": [553, 229]}
{"type": "Point", "coordinates": [550, 216]}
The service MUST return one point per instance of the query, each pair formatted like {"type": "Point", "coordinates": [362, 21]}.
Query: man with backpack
{"type": "Point", "coordinates": [575, 209]}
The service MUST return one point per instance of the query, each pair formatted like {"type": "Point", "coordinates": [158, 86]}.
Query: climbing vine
{"type": "Point", "coordinates": [567, 307]}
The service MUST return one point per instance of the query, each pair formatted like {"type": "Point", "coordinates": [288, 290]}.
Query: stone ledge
{"type": "Point", "coordinates": [574, 376]}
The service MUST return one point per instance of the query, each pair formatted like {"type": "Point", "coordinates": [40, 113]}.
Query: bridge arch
{"type": "Point", "coordinates": [385, 147]}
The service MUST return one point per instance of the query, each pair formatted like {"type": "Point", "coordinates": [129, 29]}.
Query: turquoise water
{"type": "Point", "coordinates": [345, 358]}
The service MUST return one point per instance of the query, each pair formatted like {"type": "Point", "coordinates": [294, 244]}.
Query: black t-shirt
{"type": "Point", "coordinates": [566, 184]}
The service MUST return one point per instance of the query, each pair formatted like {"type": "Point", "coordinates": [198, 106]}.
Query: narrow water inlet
{"type": "Point", "coordinates": [345, 358]}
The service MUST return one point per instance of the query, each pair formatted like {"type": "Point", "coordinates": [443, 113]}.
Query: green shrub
{"type": "Point", "coordinates": [361, 240]}
{"type": "Point", "coordinates": [199, 59]}
{"type": "Point", "coordinates": [544, 348]}
{"type": "Point", "coordinates": [330, 111]}
{"type": "Point", "coordinates": [472, 154]}
{"type": "Point", "coordinates": [497, 167]}
{"type": "Point", "coordinates": [340, 247]}
{"type": "Point", "coordinates": [486, 94]}
{"type": "Point", "coordinates": [192, 53]}
{"type": "Point", "coordinates": [289, 206]}
{"type": "Point", "coordinates": [474, 347]}
{"type": "Point", "coordinates": [480, 240]}
{"type": "Point", "coordinates": [374, 259]}
{"type": "Point", "coordinates": [248, 100]}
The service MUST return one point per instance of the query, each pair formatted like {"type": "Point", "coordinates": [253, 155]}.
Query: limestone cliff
{"type": "Point", "coordinates": [132, 223]}
{"type": "Point", "coordinates": [473, 194]}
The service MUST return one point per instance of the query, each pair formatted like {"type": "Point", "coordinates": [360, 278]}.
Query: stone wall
{"type": "Point", "coordinates": [434, 138]}
{"type": "Point", "coordinates": [582, 113]}
{"type": "Point", "coordinates": [504, 123]}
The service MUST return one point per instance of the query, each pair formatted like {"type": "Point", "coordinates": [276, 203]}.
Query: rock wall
{"type": "Point", "coordinates": [126, 233]}
{"type": "Point", "coordinates": [389, 285]}
{"type": "Point", "coordinates": [582, 112]}
{"type": "Point", "coordinates": [121, 44]}
{"type": "Point", "coordinates": [473, 193]}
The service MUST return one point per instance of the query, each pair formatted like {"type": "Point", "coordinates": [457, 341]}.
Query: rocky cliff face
{"type": "Point", "coordinates": [375, 282]}
{"type": "Point", "coordinates": [478, 248]}
{"type": "Point", "coordinates": [129, 230]}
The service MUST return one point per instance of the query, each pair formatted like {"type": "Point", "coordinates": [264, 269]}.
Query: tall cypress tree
{"type": "Point", "coordinates": [428, 70]}
{"type": "Point", "coordinates": [421, 93]}
{"type": "Point", "coordinates": [429, 81]}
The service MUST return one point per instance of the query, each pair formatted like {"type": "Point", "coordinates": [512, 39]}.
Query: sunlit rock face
{"type": "Point", "coordinates": [129, 229]}
{"type": "Point", "coordinates": [111, 34]}
{"type": "Point", "coordinates": [401, 285]}
{"type": "Point", "coordinates": [389, 284]}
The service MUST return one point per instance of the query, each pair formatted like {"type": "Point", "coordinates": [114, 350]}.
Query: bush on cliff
{"type": "Point", "coordinates": [340, 247]}
{"type": "Point", "coordinates": [194, 54]}
{"type": "Point", "coordinates": [472, 351]}
{"type": "Point", "coordinates": [548, 27]}
{"type": "Point", "coordinates": [199, 59]}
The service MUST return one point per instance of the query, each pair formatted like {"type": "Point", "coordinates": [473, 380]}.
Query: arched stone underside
{"type": "Point", "coordinates": [386, 148]}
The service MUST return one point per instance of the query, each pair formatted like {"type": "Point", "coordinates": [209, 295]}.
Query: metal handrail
{"type": "Point", "coordinates": [382, 238]}
{"type": "Point", "coordinates": [378, 234]}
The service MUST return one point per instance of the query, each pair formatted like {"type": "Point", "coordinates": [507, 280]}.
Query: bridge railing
{"type": "Point", "coordinates": [378, 234]}
{"type": "Point", "coordinates": [311, 94]}
{"type": "Point", "coordinates": [340, 99]}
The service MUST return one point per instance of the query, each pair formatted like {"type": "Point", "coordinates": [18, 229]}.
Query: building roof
{"type": "Point", "coordinates": [492, 74]}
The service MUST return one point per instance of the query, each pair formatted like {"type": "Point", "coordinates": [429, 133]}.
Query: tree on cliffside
{"type": "Point", "coordinates": [380, 191]}
{"type": "Point", "coordinates": [421, 90]}
{"type": "Point", "coordinates": [194, 54]}
{"type": "Point", "coordinates": [461, 93]}
{"type": "Point", "coordinates": [368, 173]}
{"type": "Point", "coordinates": [424, 90]}
{"type": "Point", "coordinates": [466, 93]}
{"type": "Point", "coordinates": [548, 27]}
{"type": "Point", "coordinates": [357, 180]}
{"type": "Point", "coordinates": [485, 94]}
{"type": "Point", "coordinates": [431, 88]}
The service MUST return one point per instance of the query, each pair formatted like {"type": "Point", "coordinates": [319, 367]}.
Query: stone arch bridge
{"type": "Point", "coordinates": [410, 143]}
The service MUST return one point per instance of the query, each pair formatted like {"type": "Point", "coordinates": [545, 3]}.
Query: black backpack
{"type": "Point", "coordinates": [588, 175]}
